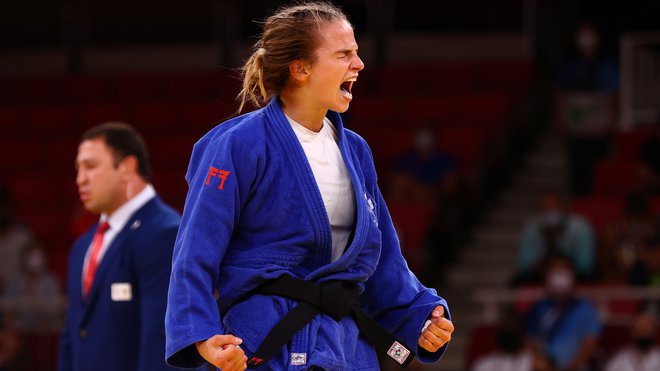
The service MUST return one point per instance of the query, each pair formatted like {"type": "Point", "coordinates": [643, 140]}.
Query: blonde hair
{"type": "Point", "coordinates": [292, 33]}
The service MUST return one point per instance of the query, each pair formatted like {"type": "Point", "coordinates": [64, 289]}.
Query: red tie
{"type": "Point", "coordinates": [93, 262]}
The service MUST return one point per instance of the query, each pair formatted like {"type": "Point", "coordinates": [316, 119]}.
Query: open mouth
{"type": "Point", "coordinates": [346, 87]}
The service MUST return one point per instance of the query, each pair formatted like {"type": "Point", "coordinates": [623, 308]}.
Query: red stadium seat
{"type": "Point", "coordinates": [20, 155]}
{"type": "Point", "coordinates": [38, 90]}
{"type": "Point", "coordinates": [171, 153]}
{"type": "Point", "coordinates": [615, 177]}
{"type": "Point", "coordinates": [93, 114]}
{"type": "Point", "coordinates": [413, 223]}
{"type": "Point", "coordinates": [481, 342]}
{"type": "Point", "coordinates": [201, 116]}
{"type": "Point", "coordinates": [86, 89]}
{"type": "Point", "coordinates": [599, 209]}
{"type": "Point", "coordinates": [466, 143]}
{"type": "Point", "coordinates": [53, 121]}
{"type": "Point", "coordinates": [12, 121]}
{"type": "Point", "coordinates": [628, 144]}
{"type": "Point", "coordinates": [157, 118]}
{"type": "Point", "coordinates": [138, 87]}
{"type": "Point", "coordinates": [40, 189]}
{"type": "Point", "coordinates": [511, 76]}
{"type": "Point", "coordinates": [60, 156]}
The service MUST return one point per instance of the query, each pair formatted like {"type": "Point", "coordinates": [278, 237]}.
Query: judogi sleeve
{"type": "Point", "coordinates": [219, 177]}
{"type": "Point", "coordinates": [394, 296]}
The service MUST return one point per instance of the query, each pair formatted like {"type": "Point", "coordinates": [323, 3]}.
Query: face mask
{"type": "Point", "coordinates": [35, 262]}
{"type": "Point", "coordinates": [560, 281]}
{"type": "Point", "coordinates": [424, 141]}
{"type": "Point", "coordinates": [644, 343]}
{"type": "Point", "coordinates": [551, 218]}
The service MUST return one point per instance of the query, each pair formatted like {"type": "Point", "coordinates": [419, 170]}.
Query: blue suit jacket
{"type": "Point", "coordinates": [106, 334]}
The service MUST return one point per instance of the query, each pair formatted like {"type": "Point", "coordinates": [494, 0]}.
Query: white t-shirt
{"type": "Point", "coordinates": [117, 221]}
{"type": "Point", "coordinates": [633, 360]}
{"type": "Point", "coordinates": [332, 178]}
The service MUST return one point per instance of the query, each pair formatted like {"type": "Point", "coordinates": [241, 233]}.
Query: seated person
{"type": "Point", "coordinates": [34, 285]}
{"type": "Point", "coordinates": [631, 246]}
{"type": "Point", "coordinates": [643, 354]}
{"type": "Point", "coordinates": [554, 231]}
{"type": "Point", "coordinates": [511, 354]}
{"type": "Point", "coordinates": [562, 325]}
{"type": "Point", "coordinates": [424, 173]}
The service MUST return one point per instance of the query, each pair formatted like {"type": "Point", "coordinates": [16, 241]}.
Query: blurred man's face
{"type": "Point", "coordinates": [101, 182]}
{"type": "Point", "coordinates": [550, 203]}
{"type": "Point", "coordinates": [587, 41]}
{"type": "Point", "coordinates": [644, 326]}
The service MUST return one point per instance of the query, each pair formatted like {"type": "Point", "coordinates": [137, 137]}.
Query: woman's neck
{"type": "Point", "coordinates": [302, 112]}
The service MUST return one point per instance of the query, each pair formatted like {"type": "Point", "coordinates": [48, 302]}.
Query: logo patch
{"type": "Point", "coordinates": [298, 359]}
{"type": "Point", "coordinates": [398, 352]}
{"type": "Point", "coordinates": [217, 173]}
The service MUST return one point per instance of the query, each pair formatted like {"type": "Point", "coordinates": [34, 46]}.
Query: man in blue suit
{"type": "Point", "coordinates": [118, 270]}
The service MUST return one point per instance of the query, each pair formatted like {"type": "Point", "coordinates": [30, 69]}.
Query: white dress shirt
{"type": "Point", "coordinates": [332, 179]}
{"type": "Point", "coordinates": [117, 221]}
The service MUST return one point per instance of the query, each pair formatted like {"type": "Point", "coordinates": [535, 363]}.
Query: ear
{"type": "Point", "coordinates": [128, 165]}
{"type": "Point", "coordinates": [299, 70]}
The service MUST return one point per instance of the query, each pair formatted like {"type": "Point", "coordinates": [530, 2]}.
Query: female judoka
{"type": "Point", "coordinates": [284, 217]}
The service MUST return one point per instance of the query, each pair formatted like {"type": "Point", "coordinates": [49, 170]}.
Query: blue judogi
{"type": "Point", "coordinates": [253, 213]}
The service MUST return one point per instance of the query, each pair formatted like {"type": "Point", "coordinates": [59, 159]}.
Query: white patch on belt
{"type": "Point", "coordinates": [298, 359]}
{"type": "Point", "coordinates": [398, 352]}
{"type": "Point", "coordinates": [121, 291]}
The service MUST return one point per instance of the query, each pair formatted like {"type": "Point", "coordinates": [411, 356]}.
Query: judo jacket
{"type": "Point", "coordinates": [253, 212]}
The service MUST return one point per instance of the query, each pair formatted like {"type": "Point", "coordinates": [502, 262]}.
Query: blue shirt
{"type": "Point", "coordinates": [561, 332]}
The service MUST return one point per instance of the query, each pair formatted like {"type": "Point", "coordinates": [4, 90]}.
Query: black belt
{"type": "Point", "coordinates": [334, 298]}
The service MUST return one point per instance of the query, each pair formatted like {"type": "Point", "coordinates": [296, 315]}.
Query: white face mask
{"type": "Point", "coordinates": [35, 262]}
{"type": "Point", "coordinates": [424, 141]}
{"type": "Point", "coordinates": [560, 281]}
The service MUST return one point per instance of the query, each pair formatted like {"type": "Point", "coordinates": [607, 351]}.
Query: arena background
{"type": "Point", "coordinates": [481, 76]}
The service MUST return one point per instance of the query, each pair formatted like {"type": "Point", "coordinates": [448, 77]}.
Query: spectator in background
{"type": "Point", "coordinates": [649, 158]}
{"type": "Point", "coordinates": [631, 246]}
{"type": "Point", "coordinates": [511, 354]}
{"type": "Point", "coordinates": [34, 309]}
{"type": "Point", "coordinates": [424, 173]}
{"type": "Point", "coordinates": [554, 231]}
{"type": "Point", "coordinates": [643, 354]}
{"type": "Point", "coordinates": [13, 237]}
{"type": "Point", "coordinates": [34, 293]}
{"type": "Point", "coordinates": [586, 105]}
{"type": "Point", "coordinates": [561, 325]}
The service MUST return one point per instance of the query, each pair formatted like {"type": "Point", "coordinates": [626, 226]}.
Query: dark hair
{"type": "Point", "coordinates": [292, 33]}
{"type": "Point", "coordinates": [124, 141]}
